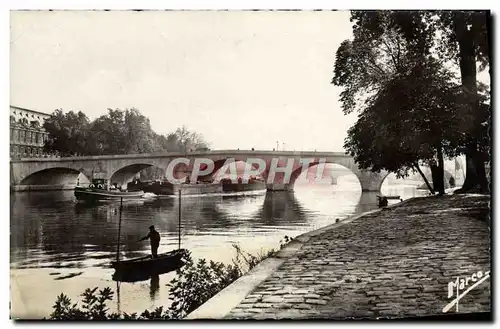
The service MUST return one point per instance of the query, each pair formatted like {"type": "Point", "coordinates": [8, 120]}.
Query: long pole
{"type": "Point", "coordinates": [180, 219]}
{"type": "Point", "coordinates": [119, 232]}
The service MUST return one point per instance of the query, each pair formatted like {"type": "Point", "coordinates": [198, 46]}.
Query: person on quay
{"type": "Point", "coordinates": [154, 239]}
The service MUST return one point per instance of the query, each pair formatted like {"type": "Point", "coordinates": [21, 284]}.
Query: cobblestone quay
{"type": "Point", "coordinates": [394, 263]}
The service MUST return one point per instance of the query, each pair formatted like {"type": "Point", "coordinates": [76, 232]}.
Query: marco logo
{"type": "Point", "coordinates": [455, 287]}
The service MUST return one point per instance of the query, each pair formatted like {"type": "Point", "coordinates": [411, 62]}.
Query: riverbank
{"type": "Point", "coordinates": [396, 262]}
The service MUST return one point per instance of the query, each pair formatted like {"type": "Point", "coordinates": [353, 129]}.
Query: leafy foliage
{"type": "Point", "coordinates": [117, 132]}
{"type": "Point", "coordinates": [396, 138]}
{"type": "Point", "coordinates": [378, 52]}
{"type": "Point", "coordinates": [198, 282]}
{"type": "Point", "coordinates": [93, 308]}
{"type": "Point", "coordinates": [68, 133]}
{"type": "Point", "coordinates": [182, 140]}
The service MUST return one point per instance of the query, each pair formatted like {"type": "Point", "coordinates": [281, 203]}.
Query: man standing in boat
{"type": "Point", "coordinates": [154, 239]}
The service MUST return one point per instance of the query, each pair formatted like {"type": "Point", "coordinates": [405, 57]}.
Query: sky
{"type": "Point", "coordinates": [242, 79]}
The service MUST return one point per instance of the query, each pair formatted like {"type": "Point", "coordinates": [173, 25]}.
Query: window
{"type": "Point", "coordinates": [11, 135]}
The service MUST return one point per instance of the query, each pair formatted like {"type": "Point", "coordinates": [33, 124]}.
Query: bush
{"type": "Point", "coordinates": [94, 307]}
{"type": "Point", "coordinates": [197, 283]}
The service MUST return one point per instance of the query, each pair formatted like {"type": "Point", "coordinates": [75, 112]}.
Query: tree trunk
{"type": "Point", "coordinates": [439, 182]}
{"type": "Point", "coordinates": [425, 178]}
{"type": "Point", "coordinates": [471, 178]}
{"type": "Point", "coordinates": [481, 173]}
{"type": "Point", "coordinates": [474, 175]}
{"type": "Point", "coordinates": [436, 179]}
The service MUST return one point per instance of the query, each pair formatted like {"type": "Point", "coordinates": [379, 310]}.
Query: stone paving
{"type": "Point", "coordinates": [393, 263]}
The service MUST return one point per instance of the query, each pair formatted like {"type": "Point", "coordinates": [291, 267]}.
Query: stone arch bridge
{"type": "Point", "coordinates": [50, 173]}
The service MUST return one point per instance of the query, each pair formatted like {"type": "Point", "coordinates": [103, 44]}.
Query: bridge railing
{"type": "Point", "coordinates": [227, 153]}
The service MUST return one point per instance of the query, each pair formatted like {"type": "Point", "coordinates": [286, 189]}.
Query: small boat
{"type": "Point", "coordinates": [148, 266]}
{"type": "Point", "coordinates": [137, 185]}
{"type": "Point", "coordinates": [391, 197]}
{"type": "Point", "coordinates": [383, 200]}
{"type": "Point", "coordinates": [98, 190]}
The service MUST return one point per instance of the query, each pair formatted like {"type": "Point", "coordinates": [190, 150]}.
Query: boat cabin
{"type": "Point", "coordinates": [99, 183]}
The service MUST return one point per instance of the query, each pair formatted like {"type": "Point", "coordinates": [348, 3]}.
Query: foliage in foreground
{"type": "Point", "coordinates": [194, 284]}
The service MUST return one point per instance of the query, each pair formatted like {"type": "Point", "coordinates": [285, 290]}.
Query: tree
{"type": "Point", "coordinates": [68, 133]}
{"type": "Point", "coordinates": [466, 41]}
{"type": "Point", "coordinates": [399, 137]}
{"type": "Point", "coordinates": [125, 132]}
{"type": "Point", "coordinates": [109, 133]}
{"type": "Point", "coordinates": [386, 45]}
{"type": "Point", "coordinates": [374, 69]}
{"type": "Point", "coordinates": [183, 140]}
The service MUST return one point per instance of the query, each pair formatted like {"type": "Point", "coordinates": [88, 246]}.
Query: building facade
{"type": "Point", "coordinates": [27, 135]}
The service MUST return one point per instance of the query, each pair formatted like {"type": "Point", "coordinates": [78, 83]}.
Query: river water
{"type": "Point", "coordinates": [61, 246]}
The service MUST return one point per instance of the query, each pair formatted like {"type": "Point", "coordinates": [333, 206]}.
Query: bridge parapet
{"type": "Point", "coordinates": [226, 153]}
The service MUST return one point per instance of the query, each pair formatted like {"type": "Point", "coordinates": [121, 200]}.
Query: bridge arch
{"type": "Point", "coordinates": [315, 173]}
{"type": "Point", "coordinates": [56, 176]}
{"type": "Point", "coordinates": [127, 173]}
{"type": "Point", "coordinates": [369, 181]}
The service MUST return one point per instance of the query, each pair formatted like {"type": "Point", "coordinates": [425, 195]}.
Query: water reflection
{"type": "Point", "coordinates": [154, 286]}
{"type": "Point", "coordinates": [281, 207]}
